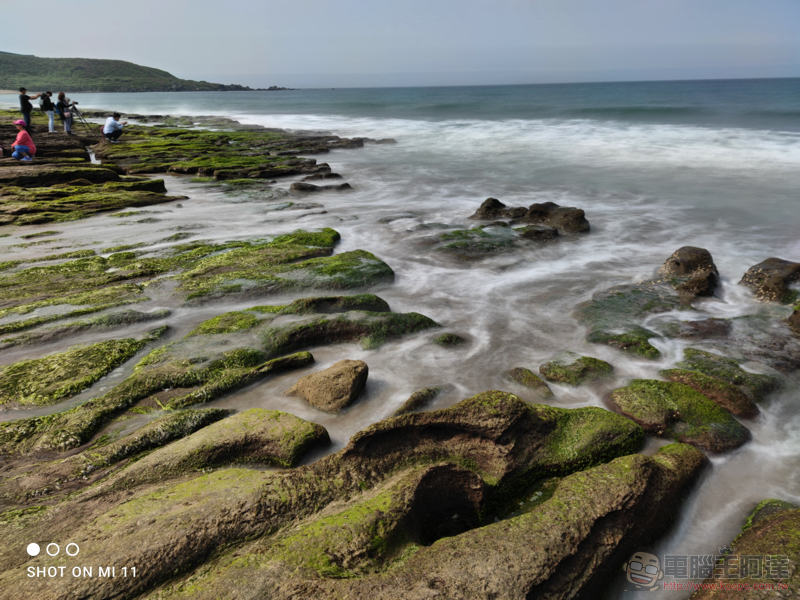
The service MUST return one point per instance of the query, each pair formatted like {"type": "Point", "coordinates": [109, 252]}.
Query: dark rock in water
{"type": "Point", "coordinates": [449, 340]}
{"type": "Point", "coordinates": [691, 271]}
{"type": "Point", "coordinates": [701, 330]}
{"type": "Point", "coordinates": [794, 321]}
{"type": "Point", "coordinates": [770, 279]}
{"type": "Point", "coordinates": [772, 527]}
{"type": "Point", "coordinates": [725, 394]}
{"type": "Point", "coordinates": [492, 208]}
{"type": "Point", "coordinates": [335, 388]}
{"type": "Point", "coordinates": [318, 176]}
{"type": "Point", "coordinates": [299, 186]}
{"type": "Point", "coordinates": [538, 232]}
{"type": "Point", "coordinates": [687, 261]}
{"type": "Point", "coordinates": [574, 369]}
{"type": "Point", "coordinates": [564, 218]}
{"type": "Point", "coordinates": [529, 379]}
{"type": "Point", "coordinates": [386, 141]}
{"type": "Point", "coordinates": [677, 411]}
{"type": "Point", "coordinates": [418, 400]}
{"type": "Point", "coordinates": [755, 385]}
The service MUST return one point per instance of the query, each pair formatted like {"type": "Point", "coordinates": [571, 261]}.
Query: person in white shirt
{"type": "Point", "coordinates": [113, 128]}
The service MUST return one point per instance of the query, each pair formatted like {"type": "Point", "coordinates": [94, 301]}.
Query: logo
{"type": "Point", "coordinates": [643, 570]}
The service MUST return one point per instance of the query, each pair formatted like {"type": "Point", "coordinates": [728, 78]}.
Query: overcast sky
{"type": "Point", "coordinates": [327, 43]}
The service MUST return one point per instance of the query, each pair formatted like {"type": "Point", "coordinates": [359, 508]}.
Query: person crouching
{"type": "Point", "coordinates": [113, 128]}
{"type": "Point", "coordinates": [24, 148]}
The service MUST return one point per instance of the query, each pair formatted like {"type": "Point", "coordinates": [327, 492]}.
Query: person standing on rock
{"type": "Point", "coordinates": [24, 148]}
{"type": "Point", "coordinates": [26, 107]}
{"type": "Point", "coordinates": [63, 107]}
{"type": "Point", "coordinates": [48, 108]}
{"type": "Point", "coordinates": [113, 128]}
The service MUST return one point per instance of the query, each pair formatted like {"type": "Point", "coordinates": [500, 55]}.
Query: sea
{"type": "Point", "coordinates": [655, 165]}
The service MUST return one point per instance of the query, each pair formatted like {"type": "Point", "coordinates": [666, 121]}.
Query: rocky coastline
{"type": "Point", "coordinates": [503, 494]}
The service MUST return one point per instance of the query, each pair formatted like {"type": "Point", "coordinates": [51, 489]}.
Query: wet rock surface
{"type": "Point", "coordinates": [418, 400]}
{"type": "Point", "coordinates": [679, 412]}
{"type": "Point", "coordinates": [395, 467]}
{"type": "Point", "coordinates": [563, 218]}
{"type": "Point", "coordinates": [574, 369]}
{"type": "Point", "coordinates": [771, 278]}
{"type": "Point", "coordinates": [530, 380]}
{"type": "Point", "coordinates": [772, 530]}
{"type": "Point", "coordinates": [335, 388]}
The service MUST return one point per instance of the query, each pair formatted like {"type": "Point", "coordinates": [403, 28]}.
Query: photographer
{"type": "Point", "coordinates": [113, 128]}
{"type": "Point", "coordinates": [26, 107]}
{"type": "Point", "coordinates": [47, 107]}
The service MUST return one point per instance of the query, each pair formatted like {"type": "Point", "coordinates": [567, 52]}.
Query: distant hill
{"type": "Point", "coordinates": [94, 75]}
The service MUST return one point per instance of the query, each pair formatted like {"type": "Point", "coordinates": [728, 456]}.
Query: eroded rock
{"type": "Point", "coordinates": [529, 379]}
{"type": "Point", "coordinates": [335, 388]}
{"type": "Point", "coordinates": [418, 400]}
{"type": "Point", "coordinates": [770, 279]}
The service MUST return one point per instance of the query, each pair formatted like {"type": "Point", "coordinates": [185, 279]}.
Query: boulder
{"type": "Point", "coordinates": [318, 176]}
{"type": "Point", "coordinates": [702, 329]}
{"type": "Point", "coordinates": [538, 233]}
{"type": "Point", "coordinates": [574, 369]}
{"type": "Point", "coordinates": [492, 209]}
{"type": "Point", "coordinates": [448, 340]}
{"type": "Point", "coordinates": [755, 385]}
{"type": "Point", "coordinates": [692, 271]}
{"type": "Point", "coordinates": [335, 388]}
{"type": "Point", "coordinates": [530, 380]}
{"type": "Point", "coordinates": [300, 186]}
{"type": "Point", "coordinates": [725, 394]}
{"type": "Point", "coordinates": [677, 411]}
{"type": "Point", "coordinates": [563, 218]}
{"type": "Point", "coordinates": [770, 279]}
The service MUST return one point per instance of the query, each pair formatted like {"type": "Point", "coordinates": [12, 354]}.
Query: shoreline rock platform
{"type": "Point", "coordinates": [494, 496]}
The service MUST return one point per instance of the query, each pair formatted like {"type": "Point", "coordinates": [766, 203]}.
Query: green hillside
{"type": "Point", "coordinates": [93, 75]}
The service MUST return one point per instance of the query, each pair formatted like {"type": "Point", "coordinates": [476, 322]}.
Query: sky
{"type": "Point", "coordinates": [365, 43]}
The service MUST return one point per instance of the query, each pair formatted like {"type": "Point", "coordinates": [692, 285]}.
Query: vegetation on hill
{"type": "Point", "coordinates": [93, 75]}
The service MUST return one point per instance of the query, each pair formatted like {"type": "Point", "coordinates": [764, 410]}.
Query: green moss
{"type": "Point", "coordinates": [676, 410]}
{"type": "Point", "coordinates": [529, 379]}
{"type": "Point", "coordinates": [39, 234]}
{"type": "Point", "coordinates": [48, 380]}
{"type": "Point", "coordinates": [635, 341]}
{"type": "Point", "coordinates": [574, 369]}
{"type": "Point", "coordinates": [106, 321]}
{"type": "Point", "coordinates": [227, 323]}
{"type": "Point", "coordinates": [449, 340]}
{"type": "Point", "coordinates": [71, 428]}
{"type": "Point", "coordinates": [754, 385]}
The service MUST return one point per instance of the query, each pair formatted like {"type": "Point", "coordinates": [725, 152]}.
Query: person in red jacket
{"type": "Point", "coordinates": [24, 148]}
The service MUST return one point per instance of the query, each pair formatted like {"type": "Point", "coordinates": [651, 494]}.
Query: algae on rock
{"type": "Point", "coordinates": [574, 369]}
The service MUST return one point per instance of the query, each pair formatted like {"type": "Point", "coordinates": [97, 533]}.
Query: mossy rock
{"type": "Point", "coordinates": [677, 411]}
{"type": "Point", "coordinates": [725, 394]}
{"type": "Point", "coordinates": [418, 400]}
{"type": "Point", "coordinates": [253, 436]}
{"type": "Point", "coordinates": [197, 383]}
{"type": "Point", "coordinates": [49, 380]}
{"type": "Point", "coordinates": [755, 385]}
{"type": "Point", "coordinates": [771, 533]}
{"type": "Point", "coordinates": [378, 463]}
{"type": "Point", "coordinates": [614, 316]}
{"type": "Point", "coordinates": [449, 340]}
{"type": "Point", "coordinates": [105, 321]}
{"type": "Point", "coordinates": [67, 475]}
{"type": "Point", "coordinates": [530, 380]}
{"type": "Point", "coordinates": [574, 369]}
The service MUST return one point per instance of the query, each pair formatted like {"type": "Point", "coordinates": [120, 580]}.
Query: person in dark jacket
{"type": "Point", "coordinates": [63, 107]}
{"type": "Point", "coordinates": [26, 107]}
{"type": "Point", "coordinates": [48, 108]}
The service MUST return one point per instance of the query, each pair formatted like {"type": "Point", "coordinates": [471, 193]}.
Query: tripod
{"type": "Point", "coordinates": [81, 118]}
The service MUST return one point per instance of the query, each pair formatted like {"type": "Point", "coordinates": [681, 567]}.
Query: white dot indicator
{"type": "Point", "coordinates": [33, 549]}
